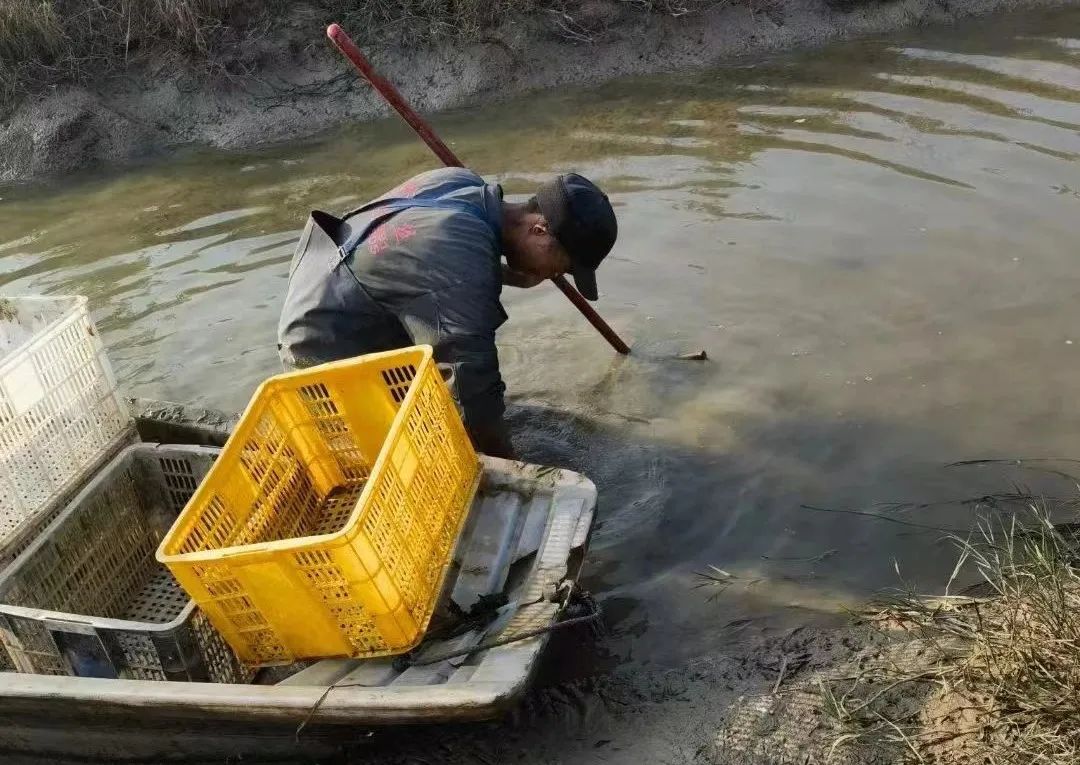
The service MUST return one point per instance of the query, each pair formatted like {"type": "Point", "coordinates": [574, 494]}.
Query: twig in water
{"type": "Point", "coordinates": [780, 676]}
{"type": "Point", "coordinates": [881, 518]}
{"type": "Point", "coordinates": [721, 580]}
{"type": "Point", "coordinates": [810, 559]}
{"type": "Point", "coordinates": [1015, 461]}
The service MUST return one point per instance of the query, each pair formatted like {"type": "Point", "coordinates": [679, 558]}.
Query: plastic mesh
{"type": "Point", "coordinates": [96, 562]}
{"type": "Point", "coordinates": [365, 468]}
{"type": "Point", "coordinates": [60, 412]}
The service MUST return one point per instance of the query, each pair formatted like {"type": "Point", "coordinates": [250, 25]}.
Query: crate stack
{"type": "Point", "coordinates": [324, 528]}
{"type": "Point", "coordinates": [82, 510]}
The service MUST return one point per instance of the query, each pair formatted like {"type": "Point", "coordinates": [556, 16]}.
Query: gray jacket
{"type": "Point", "coordinates": [419, 275]}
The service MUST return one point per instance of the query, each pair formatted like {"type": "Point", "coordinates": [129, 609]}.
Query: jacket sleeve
{"type": "Point", "coordinates": [460, 323]}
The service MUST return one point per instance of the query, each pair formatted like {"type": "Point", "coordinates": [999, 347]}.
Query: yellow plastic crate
{"type": "Point", "coordinates": [327, 524]}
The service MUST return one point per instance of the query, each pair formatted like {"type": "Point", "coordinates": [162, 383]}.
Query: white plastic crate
{"type": "Point", "coordinates": [61, 414]}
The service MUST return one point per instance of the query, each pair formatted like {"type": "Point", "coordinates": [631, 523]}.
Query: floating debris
{"type": "Point", "coordinates": [698, 356]}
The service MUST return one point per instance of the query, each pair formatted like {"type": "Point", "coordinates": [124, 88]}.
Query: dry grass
{"type": "Point", "coordinates": [998, 680]}
{"type": "Point", "coordinates": [50, 41]}
{"type": "Point", "coordinates": [424, 20]}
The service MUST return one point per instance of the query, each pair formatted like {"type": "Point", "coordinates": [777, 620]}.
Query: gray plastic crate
{"type": "Point", "coordinates": [88, 598]}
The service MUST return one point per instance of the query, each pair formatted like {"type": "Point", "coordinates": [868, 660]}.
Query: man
{"type": "Point", "coordinates": [423, 265]}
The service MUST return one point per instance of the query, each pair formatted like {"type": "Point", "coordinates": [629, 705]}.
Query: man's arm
{"type": "Point", "coordinates": [460, 325]}
{"type": "Point", "coordinates": [493, 438]}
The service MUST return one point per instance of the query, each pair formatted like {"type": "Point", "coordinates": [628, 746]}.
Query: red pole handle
{"type": "Point", "coordinates": [590, 313]}
{"type": "Point", "coordinates": [393, 97]}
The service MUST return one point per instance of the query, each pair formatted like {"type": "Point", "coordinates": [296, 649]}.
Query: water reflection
{"type": "Point", "coordinates": [875, 244]}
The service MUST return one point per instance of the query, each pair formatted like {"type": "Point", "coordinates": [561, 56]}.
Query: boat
{"type": "Point", "coordinates": [512, 583]}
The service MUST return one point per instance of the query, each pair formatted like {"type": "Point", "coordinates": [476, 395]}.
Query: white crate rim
{"type": "Point", "coordinates": [71, 313]}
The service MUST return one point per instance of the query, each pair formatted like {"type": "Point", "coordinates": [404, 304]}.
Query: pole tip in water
{"type": "Point", "coordinates": [333, 31]}
{"type": "Point", "coordinates": [696, 356]}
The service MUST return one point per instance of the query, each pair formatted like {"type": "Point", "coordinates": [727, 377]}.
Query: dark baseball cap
{"type": "Point", "coordinates": [579, 215]}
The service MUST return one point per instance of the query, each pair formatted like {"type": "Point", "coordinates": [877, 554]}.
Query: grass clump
{"type": "Point", "coordinates": [44, 42]}
{"type": "Point", "coordinates": [996, 678]}
{"type": "Point", "coordinates": [49, 41]}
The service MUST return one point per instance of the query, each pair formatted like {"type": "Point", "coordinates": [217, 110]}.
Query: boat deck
{"type": "Point", "coordinates": [524, 542]}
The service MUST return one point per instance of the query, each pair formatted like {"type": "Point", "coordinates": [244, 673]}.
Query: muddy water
{"type": "Point", "coordinates": [876, 244]}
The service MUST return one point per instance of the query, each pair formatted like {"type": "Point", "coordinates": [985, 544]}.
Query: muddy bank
{"type": "Point", "coordinates": [757, 706]}
{"type": "Point", "coordinates": [293, 86]}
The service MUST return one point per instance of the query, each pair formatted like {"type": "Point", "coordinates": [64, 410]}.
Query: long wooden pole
{"type": "Point", "coordinates": [392, 96]}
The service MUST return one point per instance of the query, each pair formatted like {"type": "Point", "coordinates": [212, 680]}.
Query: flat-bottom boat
{"type": "Point", "coordinates": [512, 581]}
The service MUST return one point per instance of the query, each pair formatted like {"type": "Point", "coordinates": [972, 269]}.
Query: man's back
{"type": "Point", "coordinates": [418, 275]}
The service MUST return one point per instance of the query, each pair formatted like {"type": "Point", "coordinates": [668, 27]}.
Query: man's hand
{"type": "Point", "coordinates": [518, 279]}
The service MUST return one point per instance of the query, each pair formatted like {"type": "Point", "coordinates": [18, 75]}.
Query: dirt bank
{"type": "Point", "coordinates": [293, 86]}
{"type": "Point", "coordinates": [759, 706]}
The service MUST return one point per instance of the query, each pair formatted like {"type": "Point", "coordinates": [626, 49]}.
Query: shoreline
{"type": "Point", "coordinates": [304, 88]}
